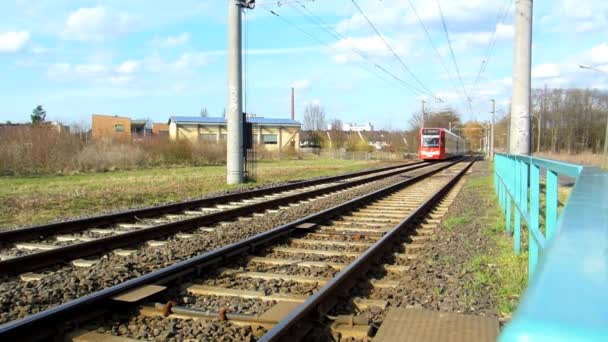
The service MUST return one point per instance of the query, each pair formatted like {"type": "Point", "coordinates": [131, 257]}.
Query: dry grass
{"type": "Point", "coordinates": [582, 158]}
{"type": "Point", "coordinates": [26, 201]}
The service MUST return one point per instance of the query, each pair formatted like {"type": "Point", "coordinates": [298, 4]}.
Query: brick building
{"type": "Point", "coordinates": [123, 128]}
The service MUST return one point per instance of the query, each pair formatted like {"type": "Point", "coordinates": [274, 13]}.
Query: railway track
{"type": "Point", "coordinates": [28, 249]}
{"type": "Point", "coordinates": [272, 280]}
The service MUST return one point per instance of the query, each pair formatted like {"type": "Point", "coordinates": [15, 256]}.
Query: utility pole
{"type": "Point", "coordinates": [422, 120]}
{"type": "Point", "coordinates": [605, 163]}
{"type": "Point", "coordinates": [492, 129]}
{"type": "Point", "coordinates": [234, 116]}
{"type": "Point", "coordinates": [519, 142]}
{"type": "Point", "coordinates": [293, 106]}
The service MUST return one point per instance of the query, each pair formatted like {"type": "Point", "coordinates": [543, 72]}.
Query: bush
{"type": "Point", "coordinates": [106, 156]}
{"type": "Point", "coordinates": [37, 149]}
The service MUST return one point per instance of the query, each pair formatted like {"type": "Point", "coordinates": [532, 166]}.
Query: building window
{"type": "Point", "coordinates": [255, 139]}
{"type": "Point", "coordinates": [119, 128]}
{"type": "Point", "coordinates": [209, 137]}
{"type": "Point", "coordinates": [269, 139]}
{"type": "Point", "coordinates": [223, 137]}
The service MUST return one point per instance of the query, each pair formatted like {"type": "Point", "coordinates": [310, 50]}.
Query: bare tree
{"type": "Point", "coordinates": [338, 136]}
{"type": "Point", "coordinates": [314, 118]}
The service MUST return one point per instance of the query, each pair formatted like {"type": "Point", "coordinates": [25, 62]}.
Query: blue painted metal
{"type": "Point", "coordinates": [567, 295]}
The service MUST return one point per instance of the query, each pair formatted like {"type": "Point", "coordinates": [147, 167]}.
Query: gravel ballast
{"type": "Point", "coordinates": [19, 299]}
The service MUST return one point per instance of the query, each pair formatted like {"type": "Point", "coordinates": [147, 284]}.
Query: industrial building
{"type": "Point", "coordinates": [273, 134]}
{"type": "Point", "coordinates": [123, 128]}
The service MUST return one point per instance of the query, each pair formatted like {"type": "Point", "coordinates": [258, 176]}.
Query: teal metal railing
{"type": "Point", "coordinates": [567, 294]}
{"type": "Point", "coordinates": [517, 180]}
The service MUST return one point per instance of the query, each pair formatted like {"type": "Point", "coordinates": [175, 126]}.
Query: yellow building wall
{"type": "Point", "coordinates": [286, 136]}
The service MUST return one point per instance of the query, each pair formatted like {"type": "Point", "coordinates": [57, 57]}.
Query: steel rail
{"type": "Point", "coordinates": [75, 225]}
{"type": "Point", "coordinates": [31, 262]}
{"type": "Point", "coordinates": [357, 268]}
{"type": "Point", "coordinates": [48, 322]}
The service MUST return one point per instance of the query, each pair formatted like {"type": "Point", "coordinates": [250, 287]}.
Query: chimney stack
{"type": "Point", "coordinates": [293, 110]}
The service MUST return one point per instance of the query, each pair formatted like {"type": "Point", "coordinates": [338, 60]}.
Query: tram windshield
{"type": "Point", "coordinates": [430, 141]}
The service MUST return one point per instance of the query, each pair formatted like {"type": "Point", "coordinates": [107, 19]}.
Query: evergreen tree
{"type": "Point", "coordinates": [38, 115]}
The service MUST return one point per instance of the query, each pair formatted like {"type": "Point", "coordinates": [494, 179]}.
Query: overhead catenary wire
{"type": "Point", "coordinates": [489, 51]}
{"type": "Point", "coordinates": [452, 54]}
{"type": "Point", "coordinates": [359, 52]}
{"type": "Point", "coordinates": [399, 59]}
{"type": "Point", "coordinates": [432, 43]}
{"type": "Point", "coordinates": [338, 36]}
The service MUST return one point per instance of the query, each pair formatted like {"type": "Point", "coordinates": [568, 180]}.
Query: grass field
{"type": "Point", "coordinates": [26, 201]}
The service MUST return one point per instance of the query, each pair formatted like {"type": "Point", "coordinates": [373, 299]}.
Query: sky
{"type": "Point", "coordinates": [153, 59]}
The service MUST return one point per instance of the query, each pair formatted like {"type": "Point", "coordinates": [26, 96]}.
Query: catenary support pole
{"type": "Point", "coordinates": [234, 162]}
{"type": "Point", "coordinates": [293, 104]}
{"type": "Point", "coordinates": [519, 141]}
{"type": "Point", "coordinates": [422, 115]}
{"type": "Point", "coordinates": [606, 146]}
{"type": "Point", "coordinates": [492, 129]}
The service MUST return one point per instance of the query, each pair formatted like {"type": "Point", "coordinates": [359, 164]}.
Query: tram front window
{"type": "Point", "coordinates": [430, 142]}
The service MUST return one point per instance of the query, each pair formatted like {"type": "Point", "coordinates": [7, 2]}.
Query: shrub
{"type": "Point", "coordinates": [104, 156]}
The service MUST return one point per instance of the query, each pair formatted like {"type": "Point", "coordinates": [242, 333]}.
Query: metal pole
{"type": "Point", "coordinates": [519, 142]}
{"type": "Point", "coordinates": [606, 146]}
{"type": "Point", "coordinates": [422, 120]}
{"type": "Point", "coordinates": [492, 130]}
{"type": "Point", "coordinates": [293, 107]}
{"type": "Point", "coordinates": [234, 162]}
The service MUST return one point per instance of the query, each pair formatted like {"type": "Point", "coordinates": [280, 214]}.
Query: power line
{"type": "Point", "coordinates": [500, 19]}
{"type": "Point", "coordinates": [428, 35]}
{"type": "Point", "coordinates": [392, 50]}
{"type": "Point", "coordinates": [359, 52]}
{"type": "Point", "coordinates": [329, 29]}
{"type": "Point", "coordinates": [447, 34]}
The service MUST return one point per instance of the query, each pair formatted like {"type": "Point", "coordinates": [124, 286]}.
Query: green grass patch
{"type": "Point", "coordinates": [456, 221]}
{"type": "Point", "coordinates": [34, 200]}
{"type": "Point", "coordinates": [498, 268]}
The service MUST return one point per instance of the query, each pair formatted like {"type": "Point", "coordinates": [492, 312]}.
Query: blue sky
{"type": "Point", "coordinates": [152, 59]}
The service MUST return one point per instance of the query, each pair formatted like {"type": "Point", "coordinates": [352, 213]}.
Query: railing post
{"type": "Point", "coordinates": [508, 214]}
{"type": "Point", "coordinates": [534, 218]}
{"type": "Point", "coordinates": [517, 222]}
{"type": "Point", "coordinates": [551, 204]}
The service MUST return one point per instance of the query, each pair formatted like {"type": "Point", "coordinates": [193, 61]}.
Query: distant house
{"type": "Point", "coordinates": [353, 127]}
{"type": "Point", "coordinates": [274, 134]}
{"type": "Point", "coordinates": [124, 128]}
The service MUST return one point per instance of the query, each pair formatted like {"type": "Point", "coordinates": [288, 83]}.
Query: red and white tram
{"type": "Point", "coordinates": [439, 143]}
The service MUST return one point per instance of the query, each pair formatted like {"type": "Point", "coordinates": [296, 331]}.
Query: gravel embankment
{"type": "Point", "coordinates": [439, 278]}
{"type": "Point", "coordinates": [19, 299]}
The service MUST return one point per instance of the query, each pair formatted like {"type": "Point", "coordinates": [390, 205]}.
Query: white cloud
{"type": "Point", "coordinates": [599, 54]}
{"type": "Point", "coordinates": [89, 69]}
{"type": "Point", "coordinates": [546, 70]}
{"type": "Point", "coordinates": [173, 41]}
{"type": "Point", "coordinates": [128, 67]}
{"type": "Point", "coordinates": [371, 46]}
{"type": "Point", "coordinates": [58, 70]}
{"type": "Point", "coordinates": [577, 16]}
{"type": "Point", "coordinates": [96, 24]}
{"type": "Point", "coordinates": [14, 41]}
{"type": "Point", "coordinates": [397, 14]}
{"type": "Point", "coordinates": [190, 60]}
{"type": "Point", "coordinates": [301, 84]}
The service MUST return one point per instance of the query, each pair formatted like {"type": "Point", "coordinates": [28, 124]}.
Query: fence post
{"type": "Point", "coordinates": [517, 223]}
{"type": "Point", "coordinates": [508, 214]}
{"type": "Point", "coordinates": [534, 218]}
{"type": "Point", "coordinates": [551, 204]}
